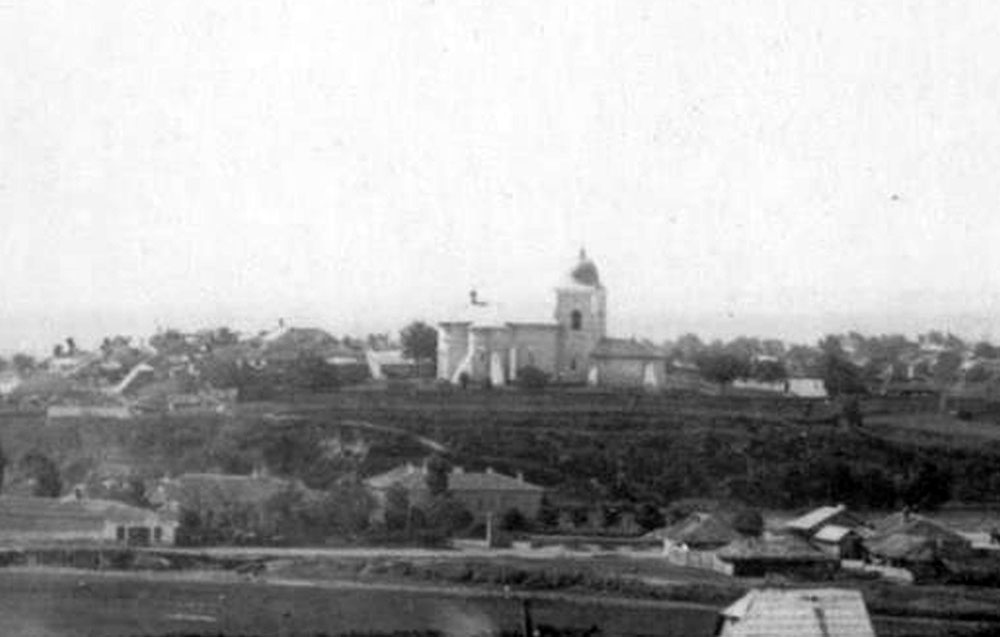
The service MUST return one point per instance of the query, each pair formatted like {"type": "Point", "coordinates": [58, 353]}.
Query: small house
{"type": "Point", "coordinates": [826, 612]}
{"type": "Point", "coordinates": [31, 520]}
{"type": "Point", "coordinates": [778, 554]}
{"type": "Point", "coordinates": [809, 524]}
{"type": "Point", "coordinates": [840, 542]}
{"type": "Point", "coordinates": [483, 493]}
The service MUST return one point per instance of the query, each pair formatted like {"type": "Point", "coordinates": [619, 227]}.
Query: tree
{"type": "Point", "coordinates": [436, 477]}
{"type": "Point", "coordinates": [446, 515]}
{"type": "Point", "coordinates": [419, 342]}
{"type": "Point", "coordinates": [649, 517]}
{"type": "Point", "coordinates": [840, 376]}
{"type": "Point", "coordinates": [24, 363]}
{"type": "Point", "coordinates": [985, 349]}
{"type": "Point", "coordinates": [946, 371]}
{"type": "Point", "coordinates": [44, 474]}
{"type": "Point", "coordinates": [513, 520]}
{"type": "Point", "coordinates": [770, 371]}
{"type": "Point", "coordinates": [723, 367]}
{"type": "Point", "coordinates": [397, 508]}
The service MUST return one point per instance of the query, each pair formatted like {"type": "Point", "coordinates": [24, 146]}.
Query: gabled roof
{"type": "Point", "coordinates": [781, 547]}
{"type": "Point", "coordinates": [50, 514]}
{"type": "Point", "coordinates": [904, 523]}
{"type": "Point", "coordinates": [809, 522]}
{"type": "Point", "coordinates": [826, 612]}
{"type": "Point", "coordinates": [626, 348]}
{"type": "Point", "coordinates": [414, 478]}
{"type": "Point", "coordinates": [900, 546]}
{"type": "Point", "coordinates": [832, 533]}
{"type": "Point", "coordinates": [700, 529]}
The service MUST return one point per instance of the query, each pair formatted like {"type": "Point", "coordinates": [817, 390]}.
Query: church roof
{"type": "Point", "coordinates": [626, 348]}
{"type": "Point", "coordinates": [583, 274]}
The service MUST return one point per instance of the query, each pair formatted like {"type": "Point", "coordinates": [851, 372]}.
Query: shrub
{"type": "Point", "coordinates": [532, 379]}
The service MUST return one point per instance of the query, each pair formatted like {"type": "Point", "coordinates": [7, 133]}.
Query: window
{"type": "Point", "coordinates": [158, 534]}
{"type": "Point", "coordinates": [120, 533]}
{"type": "Point", "coordinates": [572, 365]}
{"type": "Point", "coordinates": [575, 320]}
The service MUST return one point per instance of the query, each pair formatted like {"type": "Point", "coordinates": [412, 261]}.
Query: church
{"type": "Point", "coordinates": [573, 349]}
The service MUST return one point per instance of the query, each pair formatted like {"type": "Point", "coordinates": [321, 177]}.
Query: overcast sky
{"type": "Point", "coordinates": [776, 168]}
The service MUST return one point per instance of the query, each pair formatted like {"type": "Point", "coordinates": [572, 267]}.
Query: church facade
{"type": "Point", "coordinates": [574, 348]}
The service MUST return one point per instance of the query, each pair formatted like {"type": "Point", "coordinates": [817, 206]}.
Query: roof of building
{"type": "Point", "coordinates": [900, 546]}
{"type": "Point", "coordinates": [824, 612]}
{"type": "Point", "coordinates": [818, 517]}
{"type": "Point", "coordinates": [832, 533]}
{"type": "Point", "coordinates": [700, 529]}
{"type": "Point", "coordinates": [780, 547]}
{"type": "Point", "coordinates": [906, 523]}
{"type": "Point", "coordinates": [583, 274]}
{"type": "Point", "coordinates": [18, 513]}
{"type": "Point", "coordinates": [414, 478]}
{"type": "Point", "coordinates": [627, 348]}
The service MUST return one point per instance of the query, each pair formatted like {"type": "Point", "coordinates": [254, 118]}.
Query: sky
{"type": "Point", "coordinates": [775, 168]}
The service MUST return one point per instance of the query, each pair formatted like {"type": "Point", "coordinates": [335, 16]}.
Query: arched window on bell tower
{"type": "Point", "coordinates": [576, 320]}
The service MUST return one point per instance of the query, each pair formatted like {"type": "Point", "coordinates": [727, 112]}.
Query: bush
{"type": "Point", "coordinates": [513, 520]}
{"type": "Point", "coordinates": [532, 379]}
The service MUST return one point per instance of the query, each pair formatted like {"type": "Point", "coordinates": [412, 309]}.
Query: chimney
{"type": "Point", "coordinates": [520, 476]}
{"type": "Point", "coordinates": [410, 468]}
{"type": "Point", "coordinates": [489, 470]}
{"type": "Point", "coordinates": [458, 470]}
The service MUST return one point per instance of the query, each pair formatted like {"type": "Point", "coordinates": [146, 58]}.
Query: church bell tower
{"type": "Point", "coordinates": [581, 312]}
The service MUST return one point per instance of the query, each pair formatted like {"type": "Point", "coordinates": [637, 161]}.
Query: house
{"type": "Point", "coordinates": [483, 493]}
{"type": "Point", "coordinates": [698, 531]}
{"type": "Point", "coordinates": [620, 362]}
{"type": "Point", "coordinates": [695, 540]}
{"type": "Point", "coordinates": [390, 364]}
{"type": "Point", "coordinates": [916, 543]}
{"type": "Point", "coordinates": [808, 525]}
{"type": "Point", "coordinates": [824, 612]}
{"type": "Point", "coordinates": [777, 554]}
{"type": "Point", "coordinates": [840, 542]}
{"type": "Point", "coordinates": [30, 520]}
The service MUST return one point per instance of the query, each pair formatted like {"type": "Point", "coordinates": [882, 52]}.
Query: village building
{"type": "Point", "coordinates": [825, 612]}
{"type": "Point", "coordinates": [695, 541]}
{"type": "Point", "coordinates": [483, 494]}
{"type": "Point", "coordinates": [778, 555]}
{"type": "Point", "coordinates": [42, 521]}
{"type": "Point", "coordinates": [810, 523]}
{"type": "Point", "coordinates": [482, 346]}
{"type": "Point", "coordinates": [840, 542]}
{"type": "Point", "coordinates": [916, 543]}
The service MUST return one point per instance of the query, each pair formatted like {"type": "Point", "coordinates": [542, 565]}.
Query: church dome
{"type": "Point", "coordinates": [584, 273]}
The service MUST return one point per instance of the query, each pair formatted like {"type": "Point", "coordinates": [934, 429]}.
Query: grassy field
{"type": "Point", "coordinates": [65, 603]}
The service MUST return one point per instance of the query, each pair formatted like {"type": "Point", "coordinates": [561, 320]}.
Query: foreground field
{"type": "Point", "coordinates": [60, 603]}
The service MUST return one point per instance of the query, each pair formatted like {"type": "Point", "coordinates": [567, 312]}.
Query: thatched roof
{"type": "Point", "coordinates": [699, 529]}
{"type": "Point", "coordinates": [772, 548]}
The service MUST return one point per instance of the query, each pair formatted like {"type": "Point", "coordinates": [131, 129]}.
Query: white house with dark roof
{"type": "Point", "coordinates": [481, 492]}
{"type": "Point", "coordinates": [481, 345]}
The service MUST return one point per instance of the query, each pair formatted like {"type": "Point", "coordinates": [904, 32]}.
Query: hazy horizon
{"type": "Point", "coordinates": [784, 169]}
